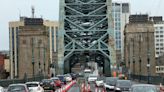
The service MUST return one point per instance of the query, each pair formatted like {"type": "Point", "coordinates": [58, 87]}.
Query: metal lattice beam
{"type": "Point", "coordinates": [86, 26]}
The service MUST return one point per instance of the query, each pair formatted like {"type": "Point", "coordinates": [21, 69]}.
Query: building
{"type": "Point", "coordinates": [139, 46]}
{"type": "Point", "coordinates": [159, 35]}
{"type": "Point", "coordinates": [121, 12]}
{"type": "Point", "coordinates": [2, 59]}
{"type": "Point", "coordinates": [4, 73]}
{"type": "Point", "coordinates": [16, 35]}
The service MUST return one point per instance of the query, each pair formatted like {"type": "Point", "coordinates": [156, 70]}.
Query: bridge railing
{"type": "Point", "coordinates": [7, 82]}
{"type": "Point", "coordinates": [144, 79]}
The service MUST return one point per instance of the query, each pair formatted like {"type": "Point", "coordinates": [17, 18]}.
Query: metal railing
{"type": "Point", "coordinates": [7, 82]}
{"type": "Point", "coordinates": [144, 79]}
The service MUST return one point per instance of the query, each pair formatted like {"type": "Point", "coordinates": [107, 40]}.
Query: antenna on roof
{"type": "Point", "coordinates": [33, 11]}
{"type": "Point", "coordinates": [19, 13]}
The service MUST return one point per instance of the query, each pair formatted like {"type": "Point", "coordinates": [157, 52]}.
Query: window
{"type": "Point", "coordinates": [157, 48]}
{"type": "Point", "coordinates": [161, 35]}
{"type": "Point", "coordinates": [157, 53]}
{"type": "Point", "coordinates": [161, 44]}
{"type": "Point", "coordinates": [157, 31]}
{"type": "Point", "coordinates": [161, 27]}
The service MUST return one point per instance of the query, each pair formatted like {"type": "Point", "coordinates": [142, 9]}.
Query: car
{"type": "Point", "coordinates": [92, 78]}
{"type": "Point", "coordinates": [34, 87]}
{"type": "Point", "coordinates": [2, 89]}
{"type": "Point", "coordinates": [62, 79]}
{"type": "Point", "coordinates": [123, 85]}
{"type": "Point", "coordinates": [144, 88]}
{"type": "Point", "coordinates": [57, 82]}
{"type": "Point", "coordinates": [110, 83]}
{"type": "Point", "coordinates": [73, 75]}
{"type": "Point", "coordinates": [87, 72]}
{"type": "Point", "coordinates": [100, 81]}
{"type": "Point", "coordinates": [48, 84]}
{"type": "Point", "coordinates": [68, 77]}
{"type": "Point", "coordinates": [17, 88]}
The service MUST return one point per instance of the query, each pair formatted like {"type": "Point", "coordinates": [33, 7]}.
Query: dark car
{"type": "Point", "coordinates": [110, 83]}
{"type": "Point", "coordinates": [144, 88]}
{"type": "Point", "coordinates": [62, 78]}
{"type": "Point", "coordinates": [73, 75]}
{"type": "Point", "coordinates": [48, 84]}
{"type": "Point", "coordinates": [123, 85]}
{"type": "Point", "coordinates": [17, 88]}
{"type": "Point", "coordinates": [57, 81]}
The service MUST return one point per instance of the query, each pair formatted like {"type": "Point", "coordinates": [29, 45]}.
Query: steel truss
{"type": "Point", "coordinates": [85, 28]}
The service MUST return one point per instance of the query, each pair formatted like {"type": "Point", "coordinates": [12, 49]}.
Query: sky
{"type": "Point", "coordinates": [10, 10]}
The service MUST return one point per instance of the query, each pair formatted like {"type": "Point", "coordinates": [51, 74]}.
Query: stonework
{"type": "Point", "coordinates": [139, 48]}
{"type": "Point", "coordinates": [33, 47]}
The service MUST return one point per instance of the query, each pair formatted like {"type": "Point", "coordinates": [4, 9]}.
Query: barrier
{"type": "Point", "coordinates": [161, 88]}
{"type": "Point", "coordinates": [66, 87]}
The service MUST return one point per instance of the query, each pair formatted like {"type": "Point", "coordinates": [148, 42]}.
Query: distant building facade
{"type": "Point", "coordinates": [2, 59]}
{"type": "Point", "coordinates": [139, 46]}
{"type": "Point", "coordinates": [158, 35]}
{"type": "Point", "coordinates": [4, 73]}
{"type": "Point", "coordinates": [22, 32]}
{"type": "Point", "coordinates": [121, 12]}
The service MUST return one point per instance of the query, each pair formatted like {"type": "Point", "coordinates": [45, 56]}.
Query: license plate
{"type": "Point", "coordinates": [46, 87]}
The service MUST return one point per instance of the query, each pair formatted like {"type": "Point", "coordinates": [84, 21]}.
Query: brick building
{"type": "Point", "coordinates": [2, 59]}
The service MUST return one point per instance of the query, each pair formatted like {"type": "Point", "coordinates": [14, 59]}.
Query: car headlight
{"type": "Point", "coordinates": [108, 86]}
{"type": "Point", "coordinates": [118, 89]}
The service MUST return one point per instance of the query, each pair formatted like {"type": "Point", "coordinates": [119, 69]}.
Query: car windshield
{"type": "Point", "coordinates": [111, 81]}
{"type": "Point", "coordinates": [61, 77]}
{"type": "Point", "coordinates": [54, 79]}
{"type": "Point", "coordinates": [16, 88]}
{"type": "Point", "coordinates": [32, 85]}
{"type": "Point", "coordinates": [144, 89]}
{"type": "Point", "coordinates": [123, 83]}
{"type": "Point", "coordinates": [100, 78]}
{"type": "Point", "coordinates": [47, 81]}
{"type": "Point", "coordinates": [93, 76]}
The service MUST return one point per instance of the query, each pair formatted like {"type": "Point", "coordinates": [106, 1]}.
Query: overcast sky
{"type": "Point", "coordinates": [48, 9]}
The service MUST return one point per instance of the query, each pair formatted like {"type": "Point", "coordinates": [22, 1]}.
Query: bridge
{"type": "Point", "coordinates": [85, 34]}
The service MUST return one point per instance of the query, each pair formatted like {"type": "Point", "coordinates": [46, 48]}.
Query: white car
{"type": "Point", "coordinates": [100, 81]}
{"type": "Point", "coordinates": [2, 89]}
{"type": "Point", "coordinates": [34, 87]}
{"type": "Point", "coordinates": [92, 78]}
{"type": "Point", "coordinates": [68, 77]}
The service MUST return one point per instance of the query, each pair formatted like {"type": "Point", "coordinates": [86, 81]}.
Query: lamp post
{"type": "Point", "coordinates": [133, 59]}
{"type": "Point", "coordinates": [44, 59]}
{"type": "Point", "coordinates": [148, 58]}
{"type": "Point", "coordinates": [129, 60]}
{"type": "Point", "coordinates": [148, 71]}
{"type": "Point", "coordinates": [33, 63]}
{"type": "Point", "coordinates": [39, 43]}
{"type": "Point", "coordinates": [140, 39]}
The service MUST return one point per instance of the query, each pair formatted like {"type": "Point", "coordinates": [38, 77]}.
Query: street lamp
{"type": "Point", "coordinates": [33, 63]}
{"type": "Point", "coordinates": [129, 60]}
{"type": "Point", "coordinates": [133, 59]}
{"type": "Point", "coordinates": [140, 40]}
{"type": "Point", "coordinates": [148, 67]}
{"type": "Point", "coordinates": [148, 58]}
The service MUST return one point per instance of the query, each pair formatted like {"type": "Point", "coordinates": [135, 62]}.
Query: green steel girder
{"type": "Point", "coordinates": [85, 29]}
